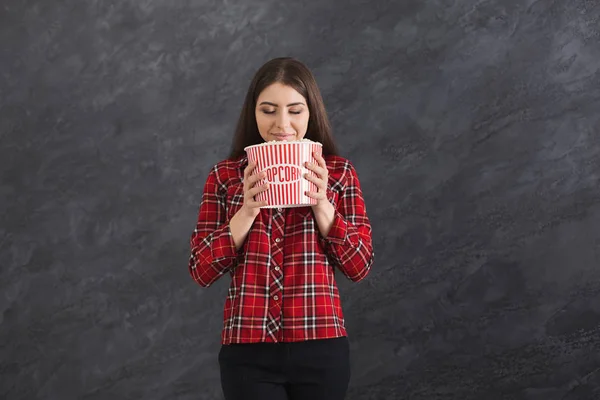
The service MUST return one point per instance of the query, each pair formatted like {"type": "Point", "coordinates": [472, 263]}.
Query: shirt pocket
{"type": "Point", "coordinates": [304, 220]}
{"type": "Point", "coordinates": [333, 196]}
{"type": "Point", "coordinates": [303, 213]}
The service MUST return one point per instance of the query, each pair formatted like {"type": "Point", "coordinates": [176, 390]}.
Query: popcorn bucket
{"type": "Point", "coordinates": [284, 163]}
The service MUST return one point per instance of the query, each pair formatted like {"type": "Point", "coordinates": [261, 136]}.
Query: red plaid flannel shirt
{"type": "Point", "coordinates": [283, 287]}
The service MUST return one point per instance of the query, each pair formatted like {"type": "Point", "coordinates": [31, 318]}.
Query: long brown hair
{"type": "Point", "coordinates": [290, 72]}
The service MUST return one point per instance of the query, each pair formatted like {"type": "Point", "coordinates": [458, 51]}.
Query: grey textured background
{"type": "Point", "coordinates": [475, 129]}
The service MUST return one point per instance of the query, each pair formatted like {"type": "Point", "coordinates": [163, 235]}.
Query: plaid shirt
{"type": "Point", "coordinates": [282, 287]}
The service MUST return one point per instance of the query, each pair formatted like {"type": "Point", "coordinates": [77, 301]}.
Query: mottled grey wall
{"type": "Point", "coordinates": [475, 129]}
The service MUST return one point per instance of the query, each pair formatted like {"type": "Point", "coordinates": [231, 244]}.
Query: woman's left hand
{"type": "Point", "coordinates": [320, 180]}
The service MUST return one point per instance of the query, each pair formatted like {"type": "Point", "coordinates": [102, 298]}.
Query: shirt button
{"type": "Point", "coordinates": [279, 209]}
{"type": "Point", "coordinates": [276, 268]}
{"type": "Point", "coordinates": [277, 240]}
{"type": "Point", "coordinates": [275, 297]}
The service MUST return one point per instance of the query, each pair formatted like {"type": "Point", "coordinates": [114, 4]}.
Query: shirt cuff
{"type": "Point", "coordinates": [338, 234]}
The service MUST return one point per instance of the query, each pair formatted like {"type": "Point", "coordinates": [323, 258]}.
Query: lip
{"type": "Point", "coordinates": [283, 136]}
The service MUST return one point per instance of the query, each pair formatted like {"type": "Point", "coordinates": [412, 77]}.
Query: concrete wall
{"type": "Point", "coordinates": [473, 125]}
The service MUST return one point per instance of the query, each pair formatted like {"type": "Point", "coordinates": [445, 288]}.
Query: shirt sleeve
{"type": "Point", "coordinates": [213, 251]}
{"type": "Point", "coordinates": [349, 242]}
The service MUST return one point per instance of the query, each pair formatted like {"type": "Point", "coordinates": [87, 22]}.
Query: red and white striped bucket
{"type": "Point", "coordinates": [284, 163]}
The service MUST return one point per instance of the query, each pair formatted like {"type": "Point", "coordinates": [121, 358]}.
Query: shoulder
{"type": "Point", "coordinates": [231, 164]}
{"type": "Point", "coordinates": [341, 170]}
{"type": "Point", "coordinates": [229, 171]}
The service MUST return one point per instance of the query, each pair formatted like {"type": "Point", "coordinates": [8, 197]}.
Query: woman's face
{"type": "Point", "coordinates": [281, 113]}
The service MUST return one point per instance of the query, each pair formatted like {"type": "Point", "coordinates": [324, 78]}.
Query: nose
{"type": "Point", "coordinates": [282, 120]}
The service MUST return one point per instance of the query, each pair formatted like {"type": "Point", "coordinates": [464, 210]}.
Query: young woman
{"type": "Point", "coordinates": [283, 335]}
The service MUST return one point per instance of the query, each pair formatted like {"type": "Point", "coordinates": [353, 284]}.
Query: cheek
{"type": "Point", "coordinates": [302, 122]}
{"type": "Point", "coordinates": [261, 121]}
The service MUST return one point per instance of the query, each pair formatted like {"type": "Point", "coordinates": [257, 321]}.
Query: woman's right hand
{"type": "Point", "coordinates": [251, 207]}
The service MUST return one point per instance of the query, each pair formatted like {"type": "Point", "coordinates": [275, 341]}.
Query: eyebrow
{"type": "Point", "coordinates": [275, 105]}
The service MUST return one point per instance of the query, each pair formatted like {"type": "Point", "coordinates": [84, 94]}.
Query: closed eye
{"type": "Point", "coordinates": [291, 112]}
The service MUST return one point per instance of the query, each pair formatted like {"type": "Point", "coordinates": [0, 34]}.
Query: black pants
{"type": "Point", "coordinates": [309, 370]}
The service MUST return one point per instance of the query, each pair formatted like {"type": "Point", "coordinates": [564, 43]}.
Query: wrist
{"type": "Point", "coordinates": [324, 216]}
{"type": "Point", "coordinates": [248, 213]}
{"type": "Point", "coordinates": [324, 209]}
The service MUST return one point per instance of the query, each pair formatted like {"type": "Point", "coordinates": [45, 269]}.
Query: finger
{"type": "Point", "coordinates": [251, 165]}
{"type": "Point", "coordinates": [324, 170]}
{"type": "Point", "coordinates": [258, 189]}
{"type": "Point", "coordinates": [247, 174]}
{"type": "Point", "coordinates": [255, 203]}
{"type": "Point", "coordinates": [310, 178]}
{"type": "Point", "coordinates": [320, 160]}
{"type": "Point", "coordinates": [256, 177]}
{"type": "Point", "coordinates": [323, 173]}
{"type": "Point", "coordinates": [316, 196]}
{"type": "Point", "coordinates": [314, 179]}
{"type": "Point", "coordinates": [253, 192]}
{"type": "Point", "coordinates": [321, 191]}
{"type": "Point", "coordinates": [250, 169]}
{"type": "Point", "coordinates": [319, 170]}
{"type": "Point", "coordinates": [311, 166]}
{"type": "Point", "coordinates": [322, 186]}
{"type": "Point", "coordinates": [320, 183]}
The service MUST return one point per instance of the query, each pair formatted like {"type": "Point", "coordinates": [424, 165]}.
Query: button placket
{"type": "Point", "coordinates": [276, 267]}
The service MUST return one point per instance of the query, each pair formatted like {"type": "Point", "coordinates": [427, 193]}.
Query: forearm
{"type": "Point", "coordinates": [239, 226]}
{"type": "Point", "coordinates": [324, 218]}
